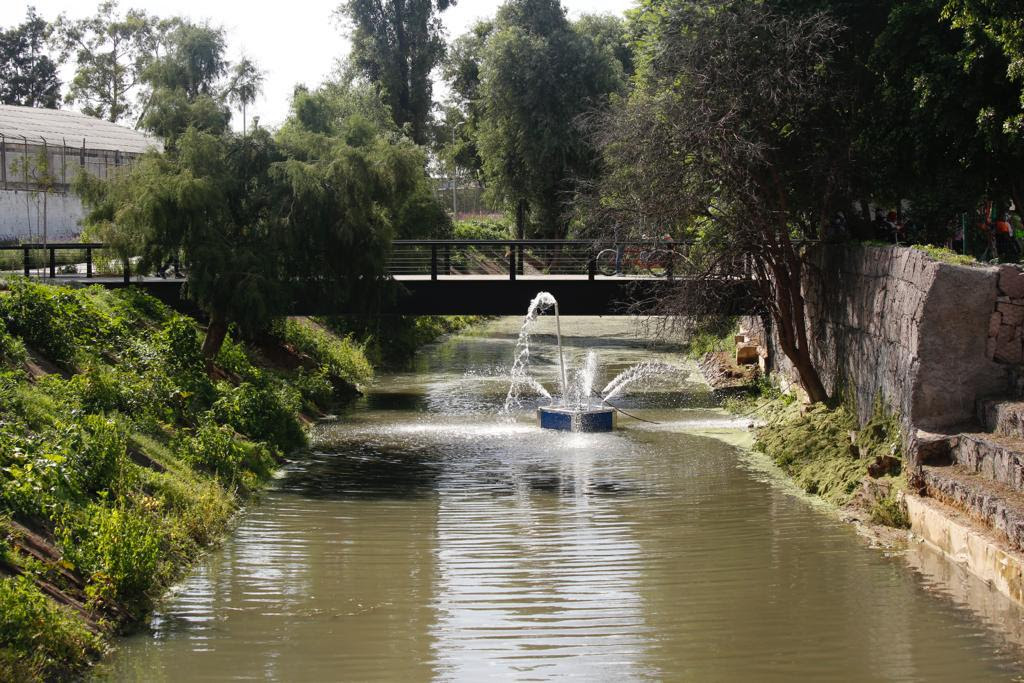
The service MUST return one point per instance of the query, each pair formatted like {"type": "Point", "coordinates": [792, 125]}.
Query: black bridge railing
{"type": "Point", "coordinates": [69, 260]}
{"type": "Point", "coordinates": [524, 258]}
{"type": "Point", "coordinates": [410, 259]}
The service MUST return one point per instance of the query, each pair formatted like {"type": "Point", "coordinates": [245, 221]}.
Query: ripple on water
{"type": "Point", "coordinates": [421, 543]}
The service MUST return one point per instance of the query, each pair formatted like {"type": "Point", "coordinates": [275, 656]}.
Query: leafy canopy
{"type": "Point", "coordinates": [537, 77]}
{"type": "Point", "coordinates": [28, 75]}
{"type": "Point", "coordinates": [395, 46]}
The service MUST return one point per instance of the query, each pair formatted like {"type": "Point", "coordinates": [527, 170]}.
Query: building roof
{"type": "Point", "coordinates": [59, 126]}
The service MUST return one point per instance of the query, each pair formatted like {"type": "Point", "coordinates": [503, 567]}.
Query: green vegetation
{"type": "Point", "coordinates": [28, 76]}
{"type": "Point", "coordinates": [533, 150]}
{"type": "Point", "coordinates": [890, 511]}
{"type": "Point", "coordinates": [712, 335]}
{"type": "Point", "coordinates": [40, 637]}
{"type": "Point", "coordinates": [814, 447]}
{"type": "Point", "coordinates": [948, 255]}
{"type": "Point", "coordinates": [391, 341]}
{"type": "Point", "coordinates": [483, 229]}
{"type": "Point", "coordinates": [396, 45]}
{"type": "Point", "coordinates": [128, 456]}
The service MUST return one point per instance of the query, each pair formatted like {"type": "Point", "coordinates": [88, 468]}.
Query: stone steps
{"type": "Point", "coordinates": [995, 505]}
{"type": "Point", "coordinates": [995, 457]}
{"type": "Point", "coordinates": [1002, 417]}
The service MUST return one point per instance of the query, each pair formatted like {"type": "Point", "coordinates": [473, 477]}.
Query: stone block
{"type": "Point", "coordinates": [927, 448]}
{"type": "Point", "coordinates": [993, 324]}
{"type": "Point", "coordinates": [1008, 345]}
{"type": "Point", "coordinates": [1012, 314]}
{"type": "Point", "coordinates": [1011, 281]}
{"type": "Point", "coordinates": [993, 457]}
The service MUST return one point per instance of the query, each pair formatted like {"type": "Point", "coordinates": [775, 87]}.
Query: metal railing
{"type": "Point", "coordinates": [433, 259]}
{"type": "Point", "coordinates": [67, 260]}
{"type": "Point", "coordinates": [526, 258]}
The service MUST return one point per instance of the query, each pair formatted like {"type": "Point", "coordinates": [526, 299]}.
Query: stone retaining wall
{"type": "Point", "coordinates": [928, 338]}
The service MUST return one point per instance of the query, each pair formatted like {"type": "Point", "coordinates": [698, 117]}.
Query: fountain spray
{"type": "Point", "coordinates": [561, 357]}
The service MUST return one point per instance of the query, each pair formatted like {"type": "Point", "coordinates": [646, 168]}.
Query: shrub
{"type": "Point", "coordinates": [890, 512]}
{"type": "Point", "coordinates": [262, 413]}
{"type": "Point", "coordinates": [118, 548]}
{"type": "Point", "coordinates": [182, 359]}
{"type": "Point", "coordinates": [215, 449]}
{"type": "Point", "coordinates": [340, 357]}
{"type": "Point", "coordinates": [12, 350]}
{"type": "Point", "coordinates": [38, 639]}
{"type": "Point", "coordinates": [44, 317]}
{"type": "Point", "coordinates": [483, 229]}
{"type": "Point", "coordinates": [143, 305]}
{"type": "Point", "coordinates": [315, 386]}
{"type": "Point", "coordinates": [96, 452]}
{"type": "Point", "coordinates": [233, 358]}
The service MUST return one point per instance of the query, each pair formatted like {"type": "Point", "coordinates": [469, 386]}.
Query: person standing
{"type": "Point", "coordinates": [1007, 246]}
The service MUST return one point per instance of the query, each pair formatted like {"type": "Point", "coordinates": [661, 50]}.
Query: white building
{"type": "Point", "coordinates": [41, 152]}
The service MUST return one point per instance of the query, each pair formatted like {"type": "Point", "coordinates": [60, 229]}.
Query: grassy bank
{"type": "Point", "coordinates": [121, 458]}
{"type": "Point", "coordinates": [392, 341]}
{"type": "Point", "coordinates": [828, 454]}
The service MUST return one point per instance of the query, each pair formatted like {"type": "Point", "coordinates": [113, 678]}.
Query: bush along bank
{"type": "Point", "coordinates": [392, 341]}
{"type": "Point", "coordinates": [121, 457]}
{"type": "Point", "coordinates": [827, 454]}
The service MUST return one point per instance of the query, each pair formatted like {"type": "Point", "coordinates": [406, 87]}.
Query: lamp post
{"type": "Point", "coordinates": [455, 199]}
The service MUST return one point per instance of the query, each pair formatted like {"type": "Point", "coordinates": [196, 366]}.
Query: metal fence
{"type": "Point", "coordinates": [39, 166]}
{"type": "Point", "coordinates": [433, 259]}
{"type": "Point", "coordinates": [65, 260]}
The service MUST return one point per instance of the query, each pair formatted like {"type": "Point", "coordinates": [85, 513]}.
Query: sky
{"type": "Point", "coordinates": [293, 42]}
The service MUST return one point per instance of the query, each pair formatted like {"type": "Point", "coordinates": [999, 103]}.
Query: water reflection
{"type": "Point", "coordinates": [427, 539]}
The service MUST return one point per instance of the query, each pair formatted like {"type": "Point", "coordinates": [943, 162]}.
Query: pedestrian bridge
{"type": "Point", "coordinates": [433, 277]}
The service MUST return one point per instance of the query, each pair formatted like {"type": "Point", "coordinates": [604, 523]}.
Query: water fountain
{"type": "Point", "coordinates": [575, 409]}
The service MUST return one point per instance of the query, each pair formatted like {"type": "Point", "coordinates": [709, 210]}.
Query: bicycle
{"type": "Point", "coordinates": [655, 261]}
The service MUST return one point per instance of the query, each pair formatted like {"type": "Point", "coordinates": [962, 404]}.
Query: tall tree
{"type": "Point", "coordinates": [609, 32]}
{"type": "Point", "coordinates": [735, 137]}
{"type": "Point", "coordinates": [461, 70]}
{"type": "Point", "coordinates": [28, 75]}
{"type": "Point", "coordinates": [354, 113]}
{"type": "Point", "coordinates": [395, 45]}
{"type": "Point", "coordinates": [538, 76]}
{"type": "Point", "coordinates": [186, 84]}
{"type": "Point", "coordinates": [111, 52]}
{"type": "Point", "coordinates": [246, 85]}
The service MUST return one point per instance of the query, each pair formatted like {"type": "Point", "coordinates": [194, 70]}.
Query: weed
{"type": "Point", "coordinates": [38, 639]}
{"type": "Point", "coordinates": [890, 512]}
{"type": "Point", "coordinates": [948, 255]}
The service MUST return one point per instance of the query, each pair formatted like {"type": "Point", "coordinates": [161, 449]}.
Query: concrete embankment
{"type": "Point", "coordinates": [940, 346]}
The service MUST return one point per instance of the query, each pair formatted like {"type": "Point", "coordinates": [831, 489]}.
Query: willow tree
{"type": "Point", "coordinates": [733, 137]}
{"type": "Point", "coordinates": [261, 222]}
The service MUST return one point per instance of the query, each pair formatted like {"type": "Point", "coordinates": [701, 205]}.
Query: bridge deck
{"type": "Point", "coordinates": [446, 295]}
{"type": "Point", "coordinates": [435, 277]}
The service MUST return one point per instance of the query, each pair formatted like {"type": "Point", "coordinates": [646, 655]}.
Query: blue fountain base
{"type": "Point", "coordinates": [575, 420]}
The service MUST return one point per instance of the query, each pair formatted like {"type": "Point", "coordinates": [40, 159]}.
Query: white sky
{"type": "Point", "coordinates": [294, 42]}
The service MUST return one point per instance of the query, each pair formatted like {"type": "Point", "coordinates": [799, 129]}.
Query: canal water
{"type": "Point", "coordinates": [428, 538]}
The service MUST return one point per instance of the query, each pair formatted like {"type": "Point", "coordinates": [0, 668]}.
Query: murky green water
{"type": "Point", "coordinates": [427, 539]}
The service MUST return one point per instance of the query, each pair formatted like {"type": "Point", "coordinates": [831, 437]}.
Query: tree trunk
{"type": "Point", "coordinates": [521, 219]}
{"type": "Point", "coordinates": [790, 315]}
{"type": "Point", "coordinates": [215, 333]}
